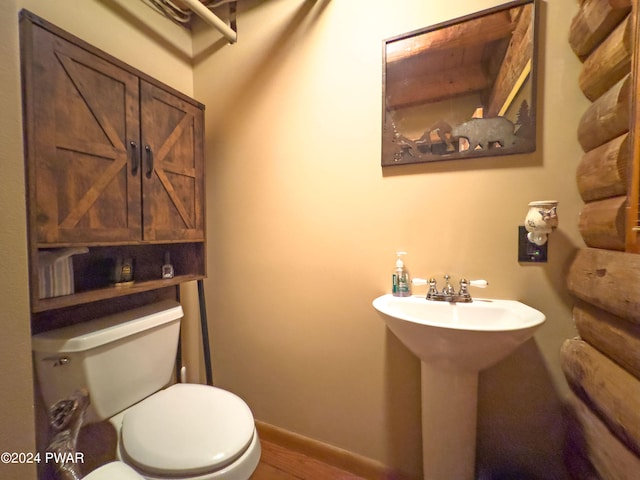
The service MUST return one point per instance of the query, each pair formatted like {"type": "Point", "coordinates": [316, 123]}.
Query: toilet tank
{"type": "Point", "coordinates": [120, 358]}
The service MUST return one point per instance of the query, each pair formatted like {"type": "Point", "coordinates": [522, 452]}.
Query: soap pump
{"type": "Point", "coordinates": [401, 284]}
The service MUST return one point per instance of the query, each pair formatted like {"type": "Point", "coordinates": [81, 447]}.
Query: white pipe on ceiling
{"type": "Point", "coordinates": [209, 17]}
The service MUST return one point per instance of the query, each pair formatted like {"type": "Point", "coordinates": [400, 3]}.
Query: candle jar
{"type": "Point", "coordinates": [541, 219]}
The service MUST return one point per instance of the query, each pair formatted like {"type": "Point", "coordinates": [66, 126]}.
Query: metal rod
{"type": "Point", "coordinates": [179, 350]}
{"type": "Point", "coordinates": [211, 18]}
{"type": "Point", "coordinates": [205, 333]}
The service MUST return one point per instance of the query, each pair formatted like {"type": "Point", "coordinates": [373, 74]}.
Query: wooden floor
{"type": "Point", "coordinates": [279, 463]}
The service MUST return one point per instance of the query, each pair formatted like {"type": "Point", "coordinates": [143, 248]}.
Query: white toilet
{"type": "Point", "coordinates": [113, 471]}
{"type": "Point", "coordinates": [183, 431]}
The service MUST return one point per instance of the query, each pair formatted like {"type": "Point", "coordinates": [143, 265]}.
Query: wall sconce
{"type": "Point", "coordinates": [541, 219]}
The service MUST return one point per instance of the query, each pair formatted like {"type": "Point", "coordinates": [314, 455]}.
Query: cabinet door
{"type": "Point", "coordinates": [173, 166]}
{"type": "Point", "coordinates": [82, 121]}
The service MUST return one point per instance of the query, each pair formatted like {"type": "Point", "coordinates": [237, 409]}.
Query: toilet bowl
{"type": "Point", "coordinates": [113, 471]}
{"type": "Point", "coordinates": [165, 431]}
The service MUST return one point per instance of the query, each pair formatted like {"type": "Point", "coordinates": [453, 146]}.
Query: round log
{"type": "Point", "coordinates": [609, 63]}
{"type": "Point", "coordinates": [594, 22]}
{"type": "Point", "coordinates": [607, 117]}
{"type": "Point", "coordinates": [602, 223]}
{"type": "Point", "coordinates": [616, 337]}
{"type": "Point", "coordinates": [607, 279]}
{"type": "Point", "coordinates": [609, 389]}
{"type": "Point", "coordinates": [602, 171]}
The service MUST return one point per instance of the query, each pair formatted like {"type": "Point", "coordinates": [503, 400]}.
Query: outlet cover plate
{"type": "Point", "coordinates": [530, 252]}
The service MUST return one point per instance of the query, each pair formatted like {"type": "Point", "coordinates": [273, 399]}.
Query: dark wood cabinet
{"type": "Point", "coordinates": [114, 162]}
{"type": "Point", "coordinates": [82, 120]}
{"type": "Point", "coordinates": [172, 167]}
{"type": "Point", "coordinates": [114, 158]}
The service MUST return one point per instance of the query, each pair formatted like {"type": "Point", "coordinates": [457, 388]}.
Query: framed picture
{"type": "Point", "coordinates": [465, 88]}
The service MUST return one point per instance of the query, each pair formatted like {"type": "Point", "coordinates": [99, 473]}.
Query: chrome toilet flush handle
{"type": "Point", "coordinates": [57, 360]}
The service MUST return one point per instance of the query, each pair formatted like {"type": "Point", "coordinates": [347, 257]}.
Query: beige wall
{"type": "Point", "coordinates": [128, 30]}
{"type": "Point", "coordinates": [16, 396]}
{"type": "Point", "coordinates": [303, 223]}
{"type": "Point", "coordinates": [303, 226]}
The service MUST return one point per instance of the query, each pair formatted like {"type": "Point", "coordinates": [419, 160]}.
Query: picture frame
{"type": "Point", "coordinates": [464, 88]}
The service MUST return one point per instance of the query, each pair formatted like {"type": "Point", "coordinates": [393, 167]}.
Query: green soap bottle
{"type": "Point", "coordinates": [401, 283]}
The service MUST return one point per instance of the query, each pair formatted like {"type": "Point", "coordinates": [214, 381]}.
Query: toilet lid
{"type": "Point", "coordinates": [187, 429]}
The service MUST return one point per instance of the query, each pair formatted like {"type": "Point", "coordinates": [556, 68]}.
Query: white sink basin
{"type": "Point", "coordinates": [454, 341]}
{"type": "Point", "coordinates": [461, 336]}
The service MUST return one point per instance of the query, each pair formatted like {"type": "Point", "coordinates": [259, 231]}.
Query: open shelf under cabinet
{"type": "Point", "coordinates": [93, 272]}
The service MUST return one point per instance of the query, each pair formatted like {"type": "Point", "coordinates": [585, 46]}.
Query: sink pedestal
{"type": "Point", "coordinates": [449, 417]}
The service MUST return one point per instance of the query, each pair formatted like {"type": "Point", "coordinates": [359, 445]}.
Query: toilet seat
{"type": "Point", "coordinates": [186, 429]}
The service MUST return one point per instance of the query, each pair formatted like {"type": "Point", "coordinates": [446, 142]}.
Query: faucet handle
{"type": "Point", "coordinates": [464, 287]}
{"type": "Point", "coordinates": [465, 284]}
{"type": "Point", "coordinates": [433, 289]}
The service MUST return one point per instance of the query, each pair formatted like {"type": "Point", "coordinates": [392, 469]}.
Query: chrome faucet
{"type": "Point", "coordinates": [448, 292]}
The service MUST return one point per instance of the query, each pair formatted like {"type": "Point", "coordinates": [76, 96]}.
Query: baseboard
{"type": "Point", "coordinates": [329, 454]}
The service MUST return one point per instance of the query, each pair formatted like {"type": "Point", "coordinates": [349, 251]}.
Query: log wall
{"type": "Point", "coordinates": [602, 365]}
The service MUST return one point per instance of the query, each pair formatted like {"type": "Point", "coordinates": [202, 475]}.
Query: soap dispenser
{"type": "Point", "coordinates": [401, 283]}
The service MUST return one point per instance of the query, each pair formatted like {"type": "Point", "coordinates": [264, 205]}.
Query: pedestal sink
{"type": "Point", "coordinates": [454, 342]}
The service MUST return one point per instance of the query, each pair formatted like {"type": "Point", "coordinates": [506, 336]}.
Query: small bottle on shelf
{"type": "Point", "coordinates": [167, 268]}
